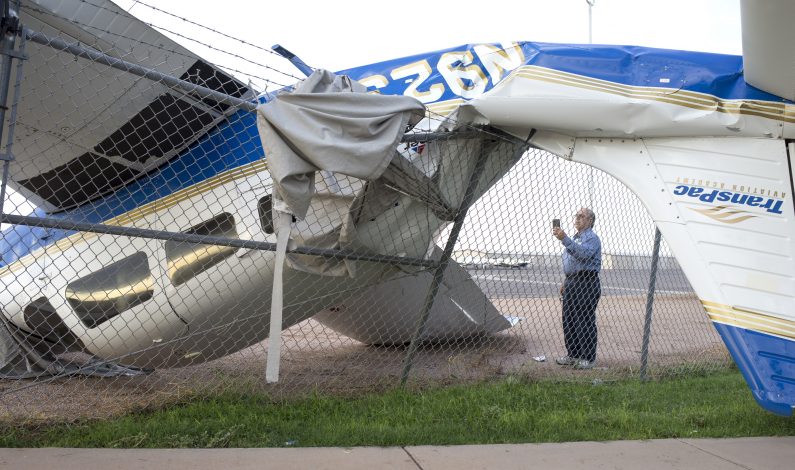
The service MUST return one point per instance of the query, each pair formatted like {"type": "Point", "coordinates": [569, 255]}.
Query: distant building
{"type": "Point", "coordinates": [472, 257]}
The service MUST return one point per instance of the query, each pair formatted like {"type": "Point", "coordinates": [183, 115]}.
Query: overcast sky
{"type": "Point", "coordinates": [344, 34]}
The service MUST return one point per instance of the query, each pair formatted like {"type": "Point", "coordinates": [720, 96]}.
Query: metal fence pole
{"type": "Point", "coordinates": [10, 24]}
{"type": "Point", "coordinates": [65, 224]}
{"type": "Point", "coordinates": [438, 273]}
{"type": "Point", "coordinates": [644, 351]}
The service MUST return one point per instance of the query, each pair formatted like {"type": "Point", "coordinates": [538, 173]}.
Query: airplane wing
{"type": "Point", "coordinates": [768, 55]}
{"type": "Point", "coordinates": [103, 128]}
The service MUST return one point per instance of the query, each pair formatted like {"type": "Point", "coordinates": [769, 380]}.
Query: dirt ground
{"type": "Point", "coordinates": [314, 358]}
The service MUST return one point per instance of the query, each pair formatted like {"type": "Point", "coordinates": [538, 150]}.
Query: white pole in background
{"type": "Point", "coordinates": [590, 41]}
{"type": "Point", "coordinates": [590, 20]}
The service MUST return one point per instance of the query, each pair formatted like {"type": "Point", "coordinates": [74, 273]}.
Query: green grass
{"type": "Point", "coordinates": [509, 411]}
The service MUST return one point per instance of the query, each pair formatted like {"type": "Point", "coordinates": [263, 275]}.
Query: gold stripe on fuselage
{"type": "Point", "coordinates": [689, 99]}
{"type": "Point", "coordinates": [443, 108]}
{"type": "Point", "coordinates": [749, 319]}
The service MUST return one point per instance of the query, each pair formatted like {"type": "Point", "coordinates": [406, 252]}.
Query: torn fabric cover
{"type": "Point", "coordinates": [330, 123]}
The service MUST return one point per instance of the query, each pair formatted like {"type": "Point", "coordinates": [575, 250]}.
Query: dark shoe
{"type": "Point", "coordinates": [566, 361]}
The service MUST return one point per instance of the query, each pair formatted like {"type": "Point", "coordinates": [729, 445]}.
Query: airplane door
{"type": "Point", "coordinates": [211, 286]}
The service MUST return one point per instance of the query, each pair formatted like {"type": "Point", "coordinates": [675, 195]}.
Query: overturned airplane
{"type": "Point", "coordinates": [702, 139]}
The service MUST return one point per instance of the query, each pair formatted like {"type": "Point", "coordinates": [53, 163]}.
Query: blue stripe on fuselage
{"type": "Point", "coordinates": [720, 75]}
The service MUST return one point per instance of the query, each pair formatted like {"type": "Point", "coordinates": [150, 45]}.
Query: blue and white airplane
{"type": "Point", "coordinates": [704, 140]}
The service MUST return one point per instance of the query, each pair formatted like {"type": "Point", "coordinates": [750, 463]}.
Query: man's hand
{"type": "Point", "coordinates": [559, 233]}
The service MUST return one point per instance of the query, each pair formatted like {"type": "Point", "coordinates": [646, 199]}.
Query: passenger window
{"type": "Point", "coordinates": [186, 260]}
{"type": "Point", "coordinates": [106, 293]}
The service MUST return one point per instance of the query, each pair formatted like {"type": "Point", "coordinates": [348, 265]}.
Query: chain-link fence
{"type": "Point", "coordinates": [139, 243]}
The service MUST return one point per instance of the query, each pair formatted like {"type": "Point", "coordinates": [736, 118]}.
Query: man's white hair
{"type": "Point", "coordinates": [591, 216]}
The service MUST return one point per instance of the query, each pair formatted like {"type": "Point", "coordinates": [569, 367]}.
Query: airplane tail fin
{"type": "Point", "coordinates": [724, 205]}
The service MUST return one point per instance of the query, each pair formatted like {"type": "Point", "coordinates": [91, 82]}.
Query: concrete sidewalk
{"type": "Point", "coordinates": [757, 453]}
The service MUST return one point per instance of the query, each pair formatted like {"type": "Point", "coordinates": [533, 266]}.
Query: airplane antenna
{"type": "Point", "coordinates": [294, 59]}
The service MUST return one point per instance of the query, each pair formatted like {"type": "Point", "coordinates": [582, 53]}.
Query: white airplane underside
{"type": "Point", "coordinates": [702, 139]}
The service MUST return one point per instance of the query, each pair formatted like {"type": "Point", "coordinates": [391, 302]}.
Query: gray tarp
{"type": "Point", "coordinates": [322, 141]}
{"type": "Point", "coordinates": [330, 123]}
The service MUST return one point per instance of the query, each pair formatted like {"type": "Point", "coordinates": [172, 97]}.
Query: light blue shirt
{"type": "Point", "coordinates": [582, 253]}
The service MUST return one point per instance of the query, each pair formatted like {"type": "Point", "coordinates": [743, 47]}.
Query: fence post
{"type": "Point", "coordinates": [644, 351]}
{"type": "Point", "coordinates": [10, 27]}
{"type": "Point", "coordinates": [438, 273]}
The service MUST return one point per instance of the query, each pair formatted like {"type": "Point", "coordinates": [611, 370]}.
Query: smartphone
{"type": "Point", "coordinates": [555, 223]}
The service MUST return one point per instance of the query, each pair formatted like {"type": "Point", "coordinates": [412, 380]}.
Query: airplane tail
{"type": "Point", "coordinates": [724, 205]}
